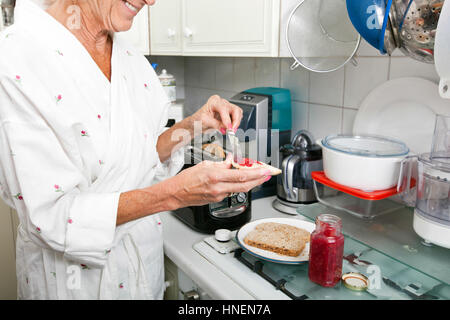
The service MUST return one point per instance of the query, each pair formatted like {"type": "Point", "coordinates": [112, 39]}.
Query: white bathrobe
{"type": "Point", "coordinates": [70, 143]}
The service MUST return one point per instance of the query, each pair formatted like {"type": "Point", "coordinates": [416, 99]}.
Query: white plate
{"type": "Point", "coordinates": [272, 256]}
{"type": "Point", "coordinates": [404, 109]}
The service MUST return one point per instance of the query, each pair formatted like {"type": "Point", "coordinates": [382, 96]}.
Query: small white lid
{"type": "Point", "coordinates": [355, 281]}
{"type": "Point", "coordinates": [223, 235]}
{"type": "Point", "coordinates": [165, 75]}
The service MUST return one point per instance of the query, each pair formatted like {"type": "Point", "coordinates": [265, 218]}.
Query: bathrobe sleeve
{"type": "Point", "coordinates": [174, 164]}
{"type": "Point", "coordinates": [42, 181]}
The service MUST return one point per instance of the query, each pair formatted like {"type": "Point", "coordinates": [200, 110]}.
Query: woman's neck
{"type": "Point", "coordinates": [88, 27]}
{"type": "Point", "coordinates": [83, 22]}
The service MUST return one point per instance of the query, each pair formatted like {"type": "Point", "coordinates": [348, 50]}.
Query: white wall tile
{"type": "Point", "coordinates": [362, 79]}
{"type": "Point", "coordinates": [180, 92]}
{"type": "Point", "coordinates": [318, 99]}
{"type": "Point", "coordinates": [327, 88]}
{"type": "Point", "coordinates": [207, 73]}
{"type": "Point", "coordinates": [224, 74]}
{"type": "Point", "coordinates": [267, 72]}
{"type": "Point", "coordinates": [324, 120]}
{"type": "Point", "coordinates": [196, 98]}
{"type": "Point", "coordinates": [225, 94]}
{"type": "Point", "coordinates": [300, 116]}
{"type": "Point", "coordinates": [366, 50]}
{"type": "Point", "coordinates": [243, 74]}
{"type": "Point", "coordinates": [297, 81]}
{"type": "Point", "coordinates": [408, 67]}
{"type": "Point", "coordinates": [348, 118]}
{"type": "Point", "coordinates": [191, 71]}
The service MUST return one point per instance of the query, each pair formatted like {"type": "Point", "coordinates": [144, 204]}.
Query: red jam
{"type": "Point", "coordinates": [326, 251]}
{"type": "Point", "coordinates": [248, 162]}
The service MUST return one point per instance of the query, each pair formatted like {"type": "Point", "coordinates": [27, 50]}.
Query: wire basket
{"type": "Point", "coordinates": [320, 35]}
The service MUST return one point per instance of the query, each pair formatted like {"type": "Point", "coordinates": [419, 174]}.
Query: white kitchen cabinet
{"type": "Point", "coordinates": [8, 283]}
{"type": "Point", "coordinates": [139, 34]}
{"type": "Point", "coordinates": [165, 28]}
{"type": "Point", "coordinates": [215, 28]}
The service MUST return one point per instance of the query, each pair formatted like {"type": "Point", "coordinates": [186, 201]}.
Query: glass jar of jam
{"type": "Point", "coordinates": [326, 251]}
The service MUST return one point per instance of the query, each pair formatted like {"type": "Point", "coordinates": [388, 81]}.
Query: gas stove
{"type": "Point", "coordinates": [266, 280]}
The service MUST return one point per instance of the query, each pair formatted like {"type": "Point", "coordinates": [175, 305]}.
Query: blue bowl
{"type": "Point", "coordinates": [370, 18]}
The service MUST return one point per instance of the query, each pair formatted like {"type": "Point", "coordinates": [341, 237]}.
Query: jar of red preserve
{"type": "Point", "coordinates": [326, 251]}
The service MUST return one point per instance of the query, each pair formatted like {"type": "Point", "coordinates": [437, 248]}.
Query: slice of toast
{"type": "Point", "coordinates": [252, 164]}
{"type": "Point", "coordinates": [280, 238]}
{"type": "Point", "coordinates": [215, 150]}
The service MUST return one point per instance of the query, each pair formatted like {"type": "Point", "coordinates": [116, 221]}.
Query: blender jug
{"type": "Point", "coordinates": [440, 150]}
{"type": "Point", "coordinates": [431, 195]}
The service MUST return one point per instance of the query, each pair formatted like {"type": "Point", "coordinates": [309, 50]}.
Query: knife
{"type": "Point", "coordinates": [235, 146]}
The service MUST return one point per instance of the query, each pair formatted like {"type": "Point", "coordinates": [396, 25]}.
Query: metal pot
{"type": "Point", "coordinates": [414, 24]}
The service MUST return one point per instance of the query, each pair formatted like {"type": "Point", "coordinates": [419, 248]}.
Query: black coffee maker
{"type": "Point", "coordinates": [298, 160]}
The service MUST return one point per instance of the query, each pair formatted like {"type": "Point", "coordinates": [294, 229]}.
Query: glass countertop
{"type": "Point", "coordinates": [389, 279]}
{"type": "Point", "coordinates": [392, 237]}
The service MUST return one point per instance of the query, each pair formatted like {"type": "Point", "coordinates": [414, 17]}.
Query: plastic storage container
{"type": "Point", "coordinates": [365, 162]}
{"type": "Point", "coordinates": [367, 205]}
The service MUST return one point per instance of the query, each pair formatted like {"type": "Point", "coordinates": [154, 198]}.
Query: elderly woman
{"type": "Point", "coordinates": [84, 157]}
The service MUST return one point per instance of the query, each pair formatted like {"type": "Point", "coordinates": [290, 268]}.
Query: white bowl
{"type": "Point", "coordinates": [361, 172]}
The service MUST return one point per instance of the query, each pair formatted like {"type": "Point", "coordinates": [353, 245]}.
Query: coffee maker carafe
{"type": "Point", "coordinates": [298, 160]}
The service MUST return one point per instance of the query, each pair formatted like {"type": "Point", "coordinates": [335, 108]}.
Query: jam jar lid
{"type": "Point", "coordinates": [366, 145]}
{"type": "Point", "coordinates": [355, 281]}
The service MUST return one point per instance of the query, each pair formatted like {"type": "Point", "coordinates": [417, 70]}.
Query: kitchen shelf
{"type": "Point", "coordinates": [391, 235]}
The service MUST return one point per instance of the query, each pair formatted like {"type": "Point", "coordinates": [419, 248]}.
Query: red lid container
{"type": "Point", "coordinates": [320, 176]}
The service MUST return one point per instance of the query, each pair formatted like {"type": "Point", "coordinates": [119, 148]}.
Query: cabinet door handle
{"type": "Point", "coordinates": [188, 33]}
{"type": "Point", "coordinates": [171, 33]}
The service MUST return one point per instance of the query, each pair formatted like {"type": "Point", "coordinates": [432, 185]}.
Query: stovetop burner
{"type": "Point", "coordinates": [257, 266]}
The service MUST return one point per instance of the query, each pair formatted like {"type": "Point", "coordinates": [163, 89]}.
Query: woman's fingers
{"type": "Point", "coordinates": [229, 187]}
{"type": "Point", "coordinates": [246, 175]}
{"type": "Point", "coordinates": [236, 115]}
{"type": "Point", "coordinates": [230, 114]}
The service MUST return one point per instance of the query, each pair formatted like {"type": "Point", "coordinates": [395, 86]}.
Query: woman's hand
{"type": "Point", "coordinates": [218, 114]}
{"type": "Point", "coordinates": [210, 182]}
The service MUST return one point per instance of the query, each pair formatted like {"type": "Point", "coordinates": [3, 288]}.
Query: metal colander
{"type": "Point", "coordinates": [415, 23]}
{"type": "Point", "coordinates": [320, 36]}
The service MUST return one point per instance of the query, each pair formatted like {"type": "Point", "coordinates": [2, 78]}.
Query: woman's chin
{"type": "Point", "coordinates": [123, 26]}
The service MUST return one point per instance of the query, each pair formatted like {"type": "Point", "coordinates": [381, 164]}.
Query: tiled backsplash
{"type": "Point", "coordinates": [323, 103]}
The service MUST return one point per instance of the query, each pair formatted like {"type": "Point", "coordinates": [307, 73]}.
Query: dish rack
{"type": "Point", "coordinates": [362, 204]}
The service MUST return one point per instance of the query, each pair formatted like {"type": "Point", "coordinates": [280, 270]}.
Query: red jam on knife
{"type": "Point", "coordinates": [326, 251]}
{"type": "Point", "coordinates": [248, 162]}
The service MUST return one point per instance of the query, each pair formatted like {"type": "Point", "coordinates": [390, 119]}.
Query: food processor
{"type": "Point", "coordinates": [432, 194]}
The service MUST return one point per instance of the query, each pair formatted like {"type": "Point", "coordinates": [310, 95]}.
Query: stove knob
{"type": "Point", "coordinates": [223, 235]}
{"type": "Point", "coordinates": [241, 197]}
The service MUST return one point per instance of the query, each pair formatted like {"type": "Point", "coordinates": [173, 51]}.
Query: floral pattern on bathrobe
{"type": "Point", "coordinates": [60, 116]}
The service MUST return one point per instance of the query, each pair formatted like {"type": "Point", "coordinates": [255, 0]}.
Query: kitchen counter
{"type": "Point", "coordinates": [178, 246]}
{"type": "Point", "coordinates": [223, 279]}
